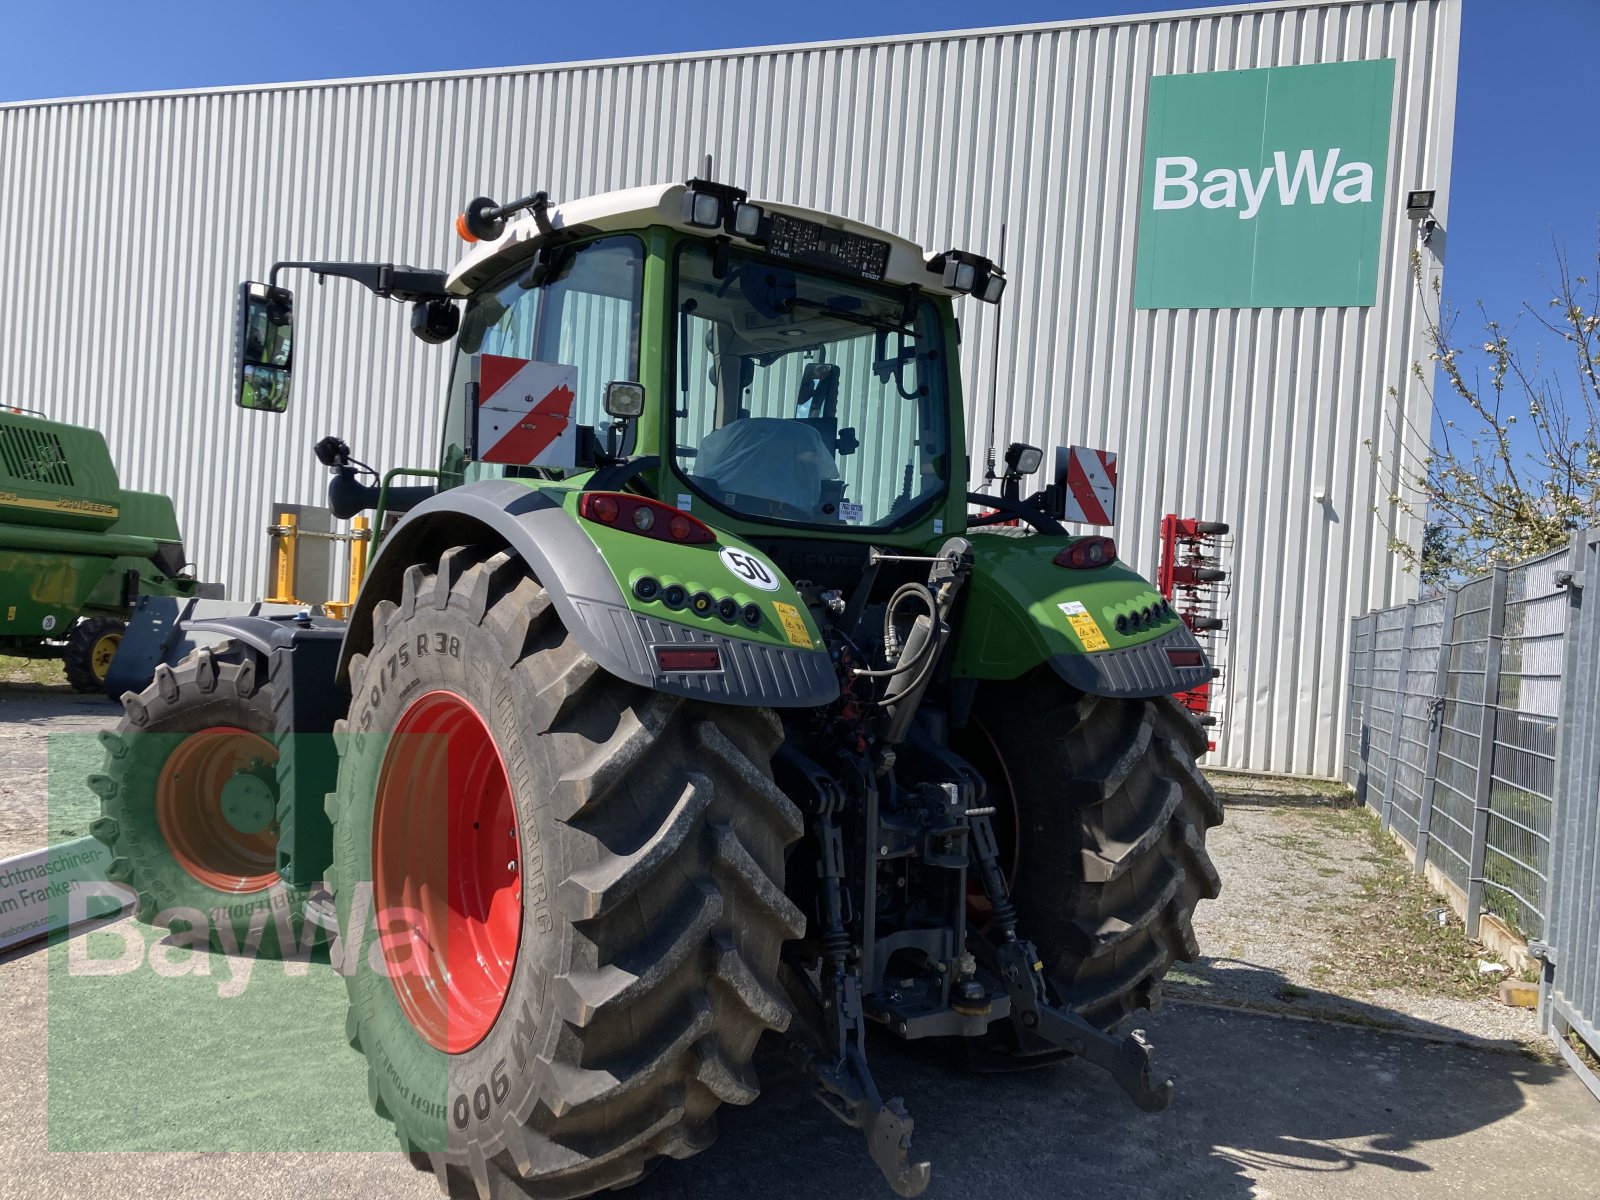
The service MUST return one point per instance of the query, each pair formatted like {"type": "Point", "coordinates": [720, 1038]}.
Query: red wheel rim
{"type": "Point", "coordinates": [446, 871]}
{"type": "Point", "coordinates": [189, 810]}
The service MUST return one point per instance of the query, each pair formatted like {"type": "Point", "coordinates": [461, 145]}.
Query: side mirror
{"type": "Point", "coordinates": [263, 347]}
{"type": "Point", "coordinates": [624, 401]}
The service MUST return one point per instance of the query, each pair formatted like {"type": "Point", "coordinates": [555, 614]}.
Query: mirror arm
{"type": "Point", "coordinates": [385, 280]}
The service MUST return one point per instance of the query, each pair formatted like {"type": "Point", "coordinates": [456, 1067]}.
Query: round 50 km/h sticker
{"type": "Point", "coordinates": [749, 569]}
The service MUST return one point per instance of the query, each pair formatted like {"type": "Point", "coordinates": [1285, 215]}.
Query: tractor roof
{"type": "Point", "coordinates": [662, 204]}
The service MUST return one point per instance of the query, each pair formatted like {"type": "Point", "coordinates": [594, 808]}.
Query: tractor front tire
{"type": "Point", "coordinates": [1109, 813]}
{"type": "Point", "coordinates": [91, 645]}
{"type": "Point", "coordinates": [197, 745]}
{"type": "Point", "coordinates": [560, 894]}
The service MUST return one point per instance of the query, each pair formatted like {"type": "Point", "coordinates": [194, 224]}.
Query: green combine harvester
{"type": "Point", "coordinates": [76, 550]}
{"type": "Point", "coordinates": [693, 698]}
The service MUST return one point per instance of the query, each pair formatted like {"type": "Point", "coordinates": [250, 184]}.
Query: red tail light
{"type": "Point", "coordinates": [649, 518]}
{"type": "Point", "coordinates": [1088, 552]}
{"type": "Point", "coordinates": [671, 660]}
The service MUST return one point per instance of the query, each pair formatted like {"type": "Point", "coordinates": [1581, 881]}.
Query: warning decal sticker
{"type": "Point", "coordinates": [1084, 626]}
{"type": "Point", "coordinates": [793, 624]}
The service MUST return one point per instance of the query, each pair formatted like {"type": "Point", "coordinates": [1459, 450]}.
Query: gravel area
{"type": "Point", "coordinates": [1308, 924]}
{"type": "Point", "coordinates": [47, 749]}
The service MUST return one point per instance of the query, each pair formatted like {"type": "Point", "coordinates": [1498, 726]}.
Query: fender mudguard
{"type": "Point", "coordinates": [1023, 610]}
{"type": "Point", "coordinates": [533, 525]}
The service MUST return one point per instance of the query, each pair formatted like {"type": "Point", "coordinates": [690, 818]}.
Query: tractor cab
{"type": "Point", "coordinates": [796, 369]}
{"type": "Point", "coordinates": [772, 369]}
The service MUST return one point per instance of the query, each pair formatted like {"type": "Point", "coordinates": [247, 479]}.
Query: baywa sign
{"type": "Point", "coordinates": [1264, 188]}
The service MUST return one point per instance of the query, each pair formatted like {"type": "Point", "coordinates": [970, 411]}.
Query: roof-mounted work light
{"type": "Point", "coordinates": [747, 220]}
{"type": "Point", "coordinates": [970, 274]}
{"type": "Point", "coordinates": [707, 205]}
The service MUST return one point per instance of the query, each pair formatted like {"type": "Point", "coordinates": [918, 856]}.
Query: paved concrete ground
{"type": "Point", "coordinates": [1266, 1107]}
{"type": "Point", "coordinates": [41, 728]}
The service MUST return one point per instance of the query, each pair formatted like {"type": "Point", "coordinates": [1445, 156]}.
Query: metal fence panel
{"type": "Point", "coordinates": [1360, 690]}
{"type": "Point", "coordinates": [1408, 785]}
{"type": "Point", "coordinates": [1473, 727]}
{"type": "Point", "coordinates": [1455, 781]}
{"type": "Point", "coordinates": [1383, 699]}
{"type": "Point", "coordinates": [1572, 980]}
{"type": "Point", "coordinates": [1522, 779]}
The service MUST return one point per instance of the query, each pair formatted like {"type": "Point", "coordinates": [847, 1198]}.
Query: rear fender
{"type": "Point", "coordinates": [1023, 610]}
{"type": "Point", "coordinates": [536, 525]}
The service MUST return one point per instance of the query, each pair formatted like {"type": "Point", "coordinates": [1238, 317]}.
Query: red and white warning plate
{"type": "Point", "coordinates": [1088, 482]}
{"type": "Point", "coordinates": [525, 412]}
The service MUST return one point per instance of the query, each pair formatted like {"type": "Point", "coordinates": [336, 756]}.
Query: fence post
{"type": "Point", "coordinates": [1398, 716]}
{"type": "Point", "coordinates": [1430, 764]}
{"type": "Point", "coordinates": [1486, 733]}
{"type": "Point", "coordinates": [1363, 668]}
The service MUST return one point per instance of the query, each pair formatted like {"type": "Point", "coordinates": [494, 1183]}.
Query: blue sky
{"type": "Point", "coordinates": [1527, 156]}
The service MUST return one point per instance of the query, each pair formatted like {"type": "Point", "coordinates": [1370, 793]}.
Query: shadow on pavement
{"type": "Point", "coordinates": [1290, 796]}
{"type": "Point", "coordinates": [1255, 1095]}
{"type": "Point", "coordinates": [1237, 983]}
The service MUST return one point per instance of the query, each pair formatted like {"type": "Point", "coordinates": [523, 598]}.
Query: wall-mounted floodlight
{"type": "Point", "coordinates": [1419, 208]}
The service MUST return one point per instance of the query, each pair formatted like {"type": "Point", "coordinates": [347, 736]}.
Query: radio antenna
{"type": "Point", "coordinates": [994, 379]}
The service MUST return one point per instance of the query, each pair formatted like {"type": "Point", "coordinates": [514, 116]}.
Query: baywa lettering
{"type": "Point", "coordinates": [1239, 188]}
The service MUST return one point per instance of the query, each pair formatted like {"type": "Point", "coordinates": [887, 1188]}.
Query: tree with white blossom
{"type": "Point", "coordinates": [1484, 494]}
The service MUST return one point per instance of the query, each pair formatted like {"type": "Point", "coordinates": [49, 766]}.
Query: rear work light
{"type": "Point", "coordinates": [673, 660]}
{"type": "Point", "coordinates": [646, 517]}
{"type": "Point", "coordinates": [1088, 552]}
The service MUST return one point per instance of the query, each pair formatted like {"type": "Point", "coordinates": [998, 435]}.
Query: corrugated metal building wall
{"type": "Point", "coordinates": [125, 223]}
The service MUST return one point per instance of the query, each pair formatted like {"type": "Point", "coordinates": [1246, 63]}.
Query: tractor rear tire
{"type": "Point", "coordinates": [560, 894]}
{"type": "Point", "coordinates": [179, 743]}
{"type": "Point", "coordinates": [91, 645]}
{"type": "Point", "coordinates": [1111, 814]}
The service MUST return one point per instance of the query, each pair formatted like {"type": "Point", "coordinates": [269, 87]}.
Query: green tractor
{"type": "Point", "coordinates": [690, 701]}
{"type": "Point", "coordinates": [76, 549]}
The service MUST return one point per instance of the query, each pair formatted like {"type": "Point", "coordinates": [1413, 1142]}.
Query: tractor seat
{"type": "Point", "coordinates": [774, 458]}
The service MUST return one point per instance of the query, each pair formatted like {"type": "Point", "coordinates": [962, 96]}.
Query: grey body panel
{"type": "Point", "coordinates": [1135, 672]}
{"type": "Point", "coordinates": [587, 598]}
{"type": "Point", "coordinates": [167, 629]}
